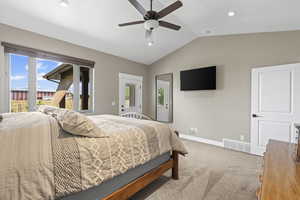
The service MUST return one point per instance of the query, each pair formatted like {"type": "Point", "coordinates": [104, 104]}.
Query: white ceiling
{"type": "Point", "coordinates": [94, 23]}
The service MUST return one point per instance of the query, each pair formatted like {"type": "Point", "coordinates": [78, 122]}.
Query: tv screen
{"type": "Point", "coordinates": [198, 79]}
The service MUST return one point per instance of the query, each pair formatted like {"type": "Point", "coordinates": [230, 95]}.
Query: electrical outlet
{"type": "Point", "coordinates": [242, 137]}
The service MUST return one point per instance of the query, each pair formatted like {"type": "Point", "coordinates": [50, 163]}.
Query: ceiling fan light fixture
{"type": "Point", "coordinates": [149, 38]}
{"type": "Point", "coordinates": [152, 19]}
{"type": "Point", "coordinates": [151, 24]}
{"type": "Point", "coordinates": [64, 3]}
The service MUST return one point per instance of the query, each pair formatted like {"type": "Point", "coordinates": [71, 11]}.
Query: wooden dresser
{"type": "Point", "coordinates": [281, 174]}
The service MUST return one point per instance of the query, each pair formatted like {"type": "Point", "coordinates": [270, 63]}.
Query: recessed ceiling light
{"type": "Point", "coordinates": [64, 3]}
{"type": "Point", "coordinates": [231, 13]}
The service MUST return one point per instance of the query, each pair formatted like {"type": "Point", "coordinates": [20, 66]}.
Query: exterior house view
{"type": "Point", "coordinates": [20, 97]}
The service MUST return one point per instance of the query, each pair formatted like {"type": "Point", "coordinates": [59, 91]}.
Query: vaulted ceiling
{"type": "Point", "coordinates": [94, 23]}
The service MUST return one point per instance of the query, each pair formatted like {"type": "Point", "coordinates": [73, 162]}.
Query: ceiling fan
{"type": "Point", "coordinates": [152, 18]}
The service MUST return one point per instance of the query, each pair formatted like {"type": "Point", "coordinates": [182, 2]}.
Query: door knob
{"type": "Point", "coordinates": [255, 115]}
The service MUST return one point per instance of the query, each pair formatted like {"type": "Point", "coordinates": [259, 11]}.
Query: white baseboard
{"type": "Point", "coordinates": [236, 145]}
{"type": "Point", "coordinates": [202, 140]}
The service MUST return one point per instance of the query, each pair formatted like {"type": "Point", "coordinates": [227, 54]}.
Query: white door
{"type": "Point", "coordinates": [163, 100]}
{"type": "Point", "coordinates": [275, 105]}
{"type": "Point", "coordinates": [130, 93]}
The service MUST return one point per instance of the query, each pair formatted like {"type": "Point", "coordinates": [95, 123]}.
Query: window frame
{"type": "Point", "coordinates": [32, 85]}
{"type": "Point", "coordinates": [6, 84]}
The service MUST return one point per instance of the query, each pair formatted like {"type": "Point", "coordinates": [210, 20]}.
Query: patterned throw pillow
{"type": "Point", "coordinates": [73, 122]}
{"type": "Point", "coordinates": [78, 124]}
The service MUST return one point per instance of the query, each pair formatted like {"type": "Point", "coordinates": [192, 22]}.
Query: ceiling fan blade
{"type": "Point", "coordinates": [132, 23]}
{"type": "Point", "coordinates": [169, 25]}
{"type": "Point", "coordinates": [164, 12]}
{"type": "Point", "coordinates": [138, 6]}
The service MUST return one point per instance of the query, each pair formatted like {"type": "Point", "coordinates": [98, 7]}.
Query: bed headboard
{"type": "Point", "coordinates": [136, 115]}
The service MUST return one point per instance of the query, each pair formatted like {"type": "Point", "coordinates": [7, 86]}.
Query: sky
{"type": "Point", "coordinates": [19, 73]}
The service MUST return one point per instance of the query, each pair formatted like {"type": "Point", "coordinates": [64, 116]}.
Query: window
{"type": "Point", "coordinates": [84, 88]}
{"type": "Point", "coordinates": [19, 83]}
{"type": "Point", "coordinates": [49, 82]}
{"type": "Point", "coordinates": [129, 95]}
{"type": "Point", "coordinates": [45, 88]}
{"type": "Point", "coordinates": [35, 81]}
{"type": "Point", "coordinates": [69, 98]}
{"type": "Point", "coordinates": [161, 96]}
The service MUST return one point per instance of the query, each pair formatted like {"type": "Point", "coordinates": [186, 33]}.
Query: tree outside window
{"type": "Point", "coordinates": [161, 96]}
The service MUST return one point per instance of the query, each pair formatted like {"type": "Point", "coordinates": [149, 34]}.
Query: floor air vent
{"type": "Point", "coordinates": [236, 145]}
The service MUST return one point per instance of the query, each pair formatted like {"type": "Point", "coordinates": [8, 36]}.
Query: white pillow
{"type": "Point", "coordinates": [49, 110]}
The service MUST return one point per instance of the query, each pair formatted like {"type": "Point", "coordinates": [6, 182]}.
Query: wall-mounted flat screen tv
{"type": "Point", "coordinates": [198, 79]}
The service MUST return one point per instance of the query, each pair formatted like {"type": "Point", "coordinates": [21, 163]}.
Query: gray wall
{"type": "Point", "coordinates": [225, 112]}
{"type": "Point", "coordinates": [106, 69]}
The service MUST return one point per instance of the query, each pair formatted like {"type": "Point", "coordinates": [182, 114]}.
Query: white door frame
{"type": "Point", "coordinates": [131, 77]}
{"type": "Point", "coordinates": [292, 116]}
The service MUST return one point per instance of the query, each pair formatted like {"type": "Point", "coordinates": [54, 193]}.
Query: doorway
{"type": "Point", "coordinates": [130, 93]}
{"type": "Point", "coordinates": [275, 105]}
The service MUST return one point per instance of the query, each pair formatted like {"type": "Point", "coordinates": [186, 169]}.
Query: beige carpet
{"type": "Point", "coordinates": [208, 173]}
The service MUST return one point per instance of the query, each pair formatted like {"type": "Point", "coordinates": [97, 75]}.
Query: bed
{"type": "Point", "coordinates": [41, 160]}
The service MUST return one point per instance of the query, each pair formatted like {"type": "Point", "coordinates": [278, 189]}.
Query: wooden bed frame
{"type": "Point", "coordinates": [138, 184]}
